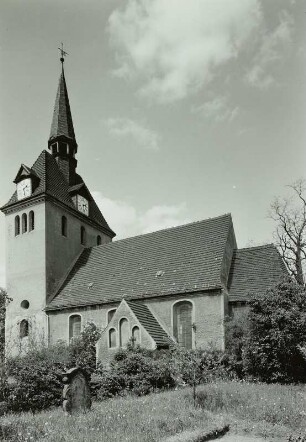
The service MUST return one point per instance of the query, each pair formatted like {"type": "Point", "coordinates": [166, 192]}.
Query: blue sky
{"type": "Point", "coordinates": [182, 110]}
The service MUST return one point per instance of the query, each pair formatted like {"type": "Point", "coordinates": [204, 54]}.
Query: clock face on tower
{"type": "Point", "coordinates": [24, 188]}
{"type": "Point", "coordinates": [82, 204]}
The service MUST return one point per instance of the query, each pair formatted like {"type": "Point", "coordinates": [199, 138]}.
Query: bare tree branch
{"type": "Point", "coordinates": [290, 234]}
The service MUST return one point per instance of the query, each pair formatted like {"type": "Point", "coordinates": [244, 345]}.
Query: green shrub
{"type": "Point", "coordinates": [37, 375]}
{"type": "Point", "coordinates": [273, 350]}
{"type": "Point", "coordinates": [135, 370]}
{"type": "Point", "coordinates": [36, 379]}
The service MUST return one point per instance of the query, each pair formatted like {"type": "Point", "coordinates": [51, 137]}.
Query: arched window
{"type": "Point", "coordinates": [182, 323]}
{"type": "Point", "coordinates": [24, 329]}
{"type": "Point", "coordinates": [110, 315]}
{"type": "Point", "coordinates": [83, 236]}
{"type": "Point", "coordinates": [99, 241]}
{"type": "Point", "coordinates": [74, 326]}
{"type": "Point", "coordinates": [136, 335]}
{"type": "Point", "coordinates": [112, 338]}
{"type": "Point", "coordinates": [124, 332]}
{"type": "Point", "coordinates": [24, 220]}
{"type": "Point", "coordinates": [64, 226]}
{"type": "Point", "coordinates": [17, 225]}
{"type": "Point", "coordinates": [31, 221]}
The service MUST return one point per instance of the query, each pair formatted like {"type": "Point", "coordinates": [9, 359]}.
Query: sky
{"type": "Point", "coordinates": [183, 110]}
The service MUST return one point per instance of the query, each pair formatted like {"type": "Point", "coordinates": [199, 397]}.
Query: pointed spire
{"type": "Point", "coordinates": [62, 124]}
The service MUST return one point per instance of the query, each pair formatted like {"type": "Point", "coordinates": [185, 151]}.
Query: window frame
{"type": "Point", "coordinates": [17, 225]}
{"type": "Point", "coordinates": [24, 223]}
{"type": "Point", "coordinates": [64, 226]}
{"type": "Point", "coordinates": [81, 324]}
{"type": "Point", "coordinates": [174, 306]}
{"type": "Point", "coordinates": [31, 221]}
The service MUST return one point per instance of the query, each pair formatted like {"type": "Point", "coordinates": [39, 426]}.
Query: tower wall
{"type": "Point", "coordinates": [61, 251]}
{"type": "Point", "coordinates": [26, 280]}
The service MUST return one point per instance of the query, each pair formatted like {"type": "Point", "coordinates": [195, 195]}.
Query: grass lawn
{"type": "Point", "coordinates": [270, 411]}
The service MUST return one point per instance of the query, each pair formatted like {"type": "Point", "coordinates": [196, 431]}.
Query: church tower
{"type": "Point", "coordinates": [50, 218]}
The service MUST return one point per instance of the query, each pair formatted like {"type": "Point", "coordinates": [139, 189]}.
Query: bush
{"type": "Point", "coordinates": [137, 371]}
{"type": "Point", "coordinates": [37, 376]}
{"type": "Point", "coordinates": [276, 340]}
{"type": "Point", "coordinates": [36, 379]}
{"type": "Point", "coordinates": [236, 332]}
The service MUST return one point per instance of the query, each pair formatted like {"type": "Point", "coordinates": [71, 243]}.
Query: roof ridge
{"type": "Point", "coordinates": [226, 215]}
{"type": "Point", "coordinates": [257, 247]}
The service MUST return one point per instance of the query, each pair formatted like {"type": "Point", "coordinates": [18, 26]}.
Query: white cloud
{"type": "Point", "coordinates": [270, 51]}
{"type": "Point", "coordinates": [139, 133]}
{"type": "Point", "coordinates": [217, 109]}
{"type": "Point", "coordinates": [174, 46]}
{"type": "Point", "coordinates": [126, 221]}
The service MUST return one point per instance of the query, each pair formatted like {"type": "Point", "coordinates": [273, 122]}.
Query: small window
{"type": "Point", "coordinates": [110, 315]}
{"type": "Point", "coordinates": [136, 335]}
{"type": "Point", "coordinates": [83, 236]}
{"type": "Point", "coordinates": [124, 332]}
{"type": "Point", "coordinates": [99, 241]}
{"type": "Point", "coordinates": [64, 226]}
{"type": "Point", "coordinates": [25, 304]}
{"type": "Point", "coordinates": [31, 221]}
{"type": "Point", "coordinates": [112, 338]}
{"type": "Point", "coordinates": [24, 222]}
{"type": "Point", "coordinates": [24, 329]}
{"type": "Point", "coordinates": [74, 326]}
{"type": "Point", "coordinates": [17, 225]}
{"type": "Point", "coordinates": [54, 148]}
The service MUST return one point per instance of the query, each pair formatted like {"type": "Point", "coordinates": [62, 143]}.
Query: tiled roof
{"type": "Point", "coordinates": [149, 322]}
{"type": "Point", "coordinates": [62, 124]}
{"type": "Point", "coordinates": [253, 270]}
{"type": "Point", "coordinates": [53, 183]}
{"type": "Point", "coordinates": [181, 259]}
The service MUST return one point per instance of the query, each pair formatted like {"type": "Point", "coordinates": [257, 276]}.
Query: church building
{"type": "Point", "coordinates": [173, 286]}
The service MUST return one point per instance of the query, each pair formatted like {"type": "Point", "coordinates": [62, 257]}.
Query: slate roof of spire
{"type": "Point", "coordinates": [62, 124]}
{"type": "Point", "coordinates": [150, 323]}
{"type": "Point", "coordinates": [181, 259]}
{"type": "Point", "coordinates": [253, 270]}
{"type": "Point", "coordinates": [52, 182]}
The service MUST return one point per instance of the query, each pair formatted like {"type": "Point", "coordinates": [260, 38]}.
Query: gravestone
{"type": "Point", "coordinates": [76, 392]}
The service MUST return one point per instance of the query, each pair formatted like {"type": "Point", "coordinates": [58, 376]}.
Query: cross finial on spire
{"type": "Point", "coordinates": [63, 53]}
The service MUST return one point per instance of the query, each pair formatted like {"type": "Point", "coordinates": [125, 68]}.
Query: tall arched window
{"type": "Point", "coordinates": [31, 221]}
{"type": "Point", "coordinates": [182, 323]}
{"type": "Point", "coordinates": [136, 335]}
{"type": "Point", "coordinates": [17, 225]}
{"type": "Point", "coordinates": [124, 332]}
{"type": "Point", "coordinates": [99, 241]}
{"type": "Point", "coordinates": [74, 326]}
{"type": "Point", "coordinates": [112, 338]}
{"type": "Point", "coordinates": [24, 220]}
{"type": "Point", "coordinates": [24, 329]}
{"type": "Point", "coordinates": [64, 226]}
{"type": "Point", "coordinates": [110, 315]}
{"type": "Point", "coordinates": [83, 236]}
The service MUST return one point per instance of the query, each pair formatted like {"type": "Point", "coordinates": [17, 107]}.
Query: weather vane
{"type": "Point", "coordinates": [63, 53]}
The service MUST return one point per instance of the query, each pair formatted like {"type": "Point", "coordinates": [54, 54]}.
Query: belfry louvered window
{"type": "Point", "coordinates": [182, 323]}
{"type": "Point", "coordinates": [83, 236]}
{"type": "Point", "coordinates": [64, 226]}
{"type": "Point", "coordinates": [17, 225]}
{"type": "Point", "coordinates": [24, 222]}
{"type": "Point", "coordinates": [31, 221]}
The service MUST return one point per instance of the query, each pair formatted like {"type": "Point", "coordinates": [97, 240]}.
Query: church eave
{"type": "Point", "coordinates": [215, 288]}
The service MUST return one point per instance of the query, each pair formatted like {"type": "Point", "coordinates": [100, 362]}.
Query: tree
{"type": "Point", "coordinates": [274, 346]}
{"type": "Point", "coordinates": [290, 235]}
{"type": "Point", "coordinates": [4, 301]}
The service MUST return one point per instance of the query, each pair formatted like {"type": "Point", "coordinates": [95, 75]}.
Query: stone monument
{"type": "Point", "coordinates": [76, 392]}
